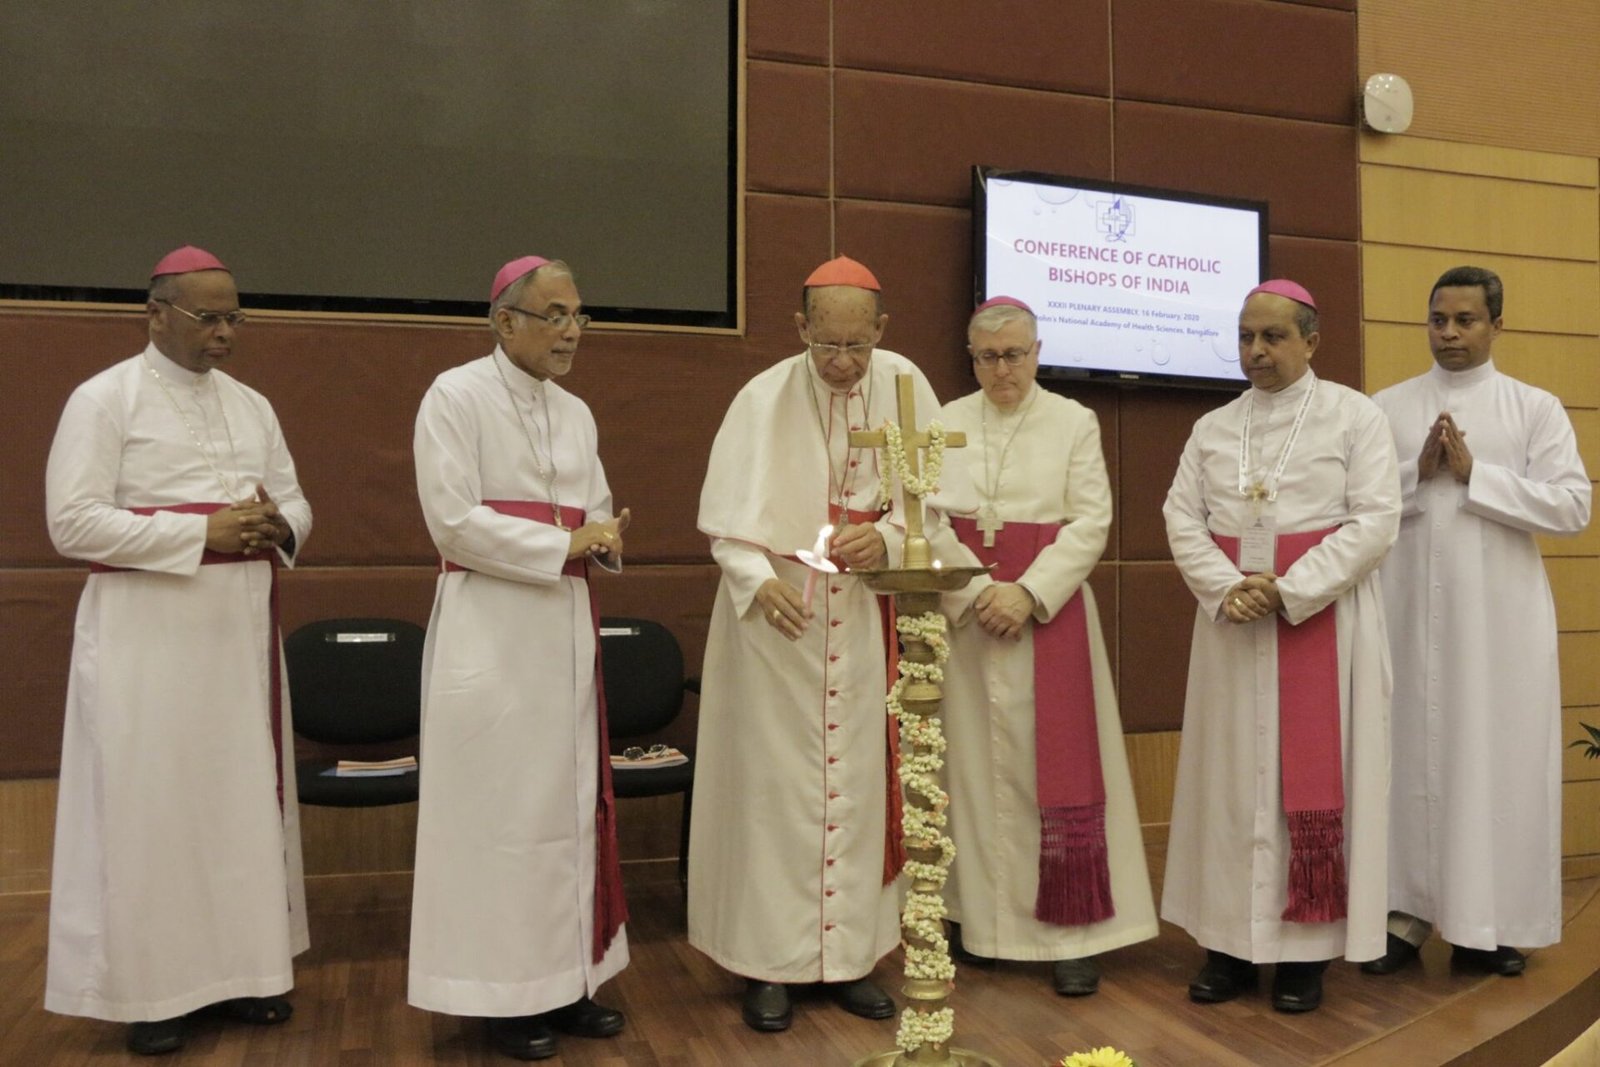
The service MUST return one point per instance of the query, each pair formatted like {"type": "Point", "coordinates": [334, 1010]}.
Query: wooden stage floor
{"type": "Point", "coordinates": [350, 1008]}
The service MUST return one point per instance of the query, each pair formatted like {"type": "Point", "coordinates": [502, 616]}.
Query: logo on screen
{"type": "Point", "coordinates": [1114, 219]}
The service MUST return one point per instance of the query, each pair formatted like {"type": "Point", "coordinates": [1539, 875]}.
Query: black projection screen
{"type": "Point", "coordinates": [376, 156]}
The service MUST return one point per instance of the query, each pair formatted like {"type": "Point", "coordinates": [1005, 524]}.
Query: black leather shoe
{"type": "Point", "coordinates": [584, 1018]}
{"type": "Point", "coordinates": [523, 1037]}
{"type": "Point", "coordinates": [156, 1038]}
{"type": "Point", "coordinates": [1397, 954]}
{"type": "Point", "coordinates": [1503, 960]}
{"type": "Point", "coordinates": [1075, 978]}
{"type": "Point", "coordinates": [766, 1006]}
{"type": "Point", "coordinates": [862, 997]}
{"type": "Point", "coordinates": [1222, 978]}
{"type": "Point", "coordinates": [959, 953]}
{"type": "Point", "coordinates": [1297, 987]}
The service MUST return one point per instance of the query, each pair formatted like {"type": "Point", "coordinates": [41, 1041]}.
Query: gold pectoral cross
{"type": "Point", "coordinates": [989, 523]}
{"type": "Point", "coordinates": [1257, 493]}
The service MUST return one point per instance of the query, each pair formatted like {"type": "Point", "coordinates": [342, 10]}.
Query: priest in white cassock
{"type": "Point", "coordinates": [1486, 463]}
{"type": "Point", "coordinates": [518, 911]}
{"type": "Point", "coordinates": [177, 882]}
{"type": "Point", "coordinates": [1051, 861]}
{"type": "Point", "coordinates": [795, 844]}
{"type": "Point", "coordinates": [1284, 503]}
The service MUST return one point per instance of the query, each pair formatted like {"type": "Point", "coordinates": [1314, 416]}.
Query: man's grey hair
{"type": "Point", "coordinates": [995, 318]}
{"type": "Point", "coordinates": [1306, 319]}
{"type": "Point", "coordinates": [512, 294]}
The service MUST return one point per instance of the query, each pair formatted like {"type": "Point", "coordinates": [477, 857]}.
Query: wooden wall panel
{"type": "Point", "coordinates": [787, 128]}
{"type": "Point", "coordinates": [1567, 365]}
{"type": "Point", "coordinates": [1193, 54]}
{"type": "Point", "coordinates": [1311, 187]}
{"type": "Point", "coordinates": [1504, 216]}
{"type": "Point", "coordinates": [1543, 294]}
{"type": "Point", "coordinates": [799, 31]}
{"type": "Point", "coordinates": [1580, 668]}
{"type": "Point", "coordinates": [1575, 766]}
{"type": "Point", "coordinates": [916, 139]}
{"type": "Point", "coordinates": [1157, 623]}
{"type": "Point", "coordinates": [1489, 161]}
{"type": "Point", "coordinates": [1525, 77]}
{"type": "Point", "coordinates": [1576, 584]}
{"type": "Point", "coordinates": [1061, 45]}
{"type": "Point", "coordinates": [1580, 818]}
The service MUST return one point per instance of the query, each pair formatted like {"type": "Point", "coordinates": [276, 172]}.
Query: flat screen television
{"type": "Point", "coordinates": [1130, 284]}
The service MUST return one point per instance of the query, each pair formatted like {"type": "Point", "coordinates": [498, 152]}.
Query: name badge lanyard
{"type": "Point", "coordinates": [1269, 492]}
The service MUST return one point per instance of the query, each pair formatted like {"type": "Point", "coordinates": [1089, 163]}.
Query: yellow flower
{"type": "Point", "coordinates": [1100, 1057]}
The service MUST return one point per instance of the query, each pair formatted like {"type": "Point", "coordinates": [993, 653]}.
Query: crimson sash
{"type": "Point", "coordinates": [1074, 869]}
{"type": "Point", "coordinates": [610, 904]}
{"type": "Point", "coordinates": [274, 677]}
{"type": "Point", "coordinates": [1309, 745]}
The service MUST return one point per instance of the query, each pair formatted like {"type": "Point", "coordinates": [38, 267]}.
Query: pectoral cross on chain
{"type": "Point", "coordinates": [917, 554]}
{"type": "Point", "coordinates": [989, 524]}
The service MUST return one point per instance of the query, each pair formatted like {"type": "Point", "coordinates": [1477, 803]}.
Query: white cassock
{"type": "Point", "coordinates": [177, 879]}
{"type": "Point", "coordinates": [1475, 835]}
{"type": "Point", "coordinates": [1052, 471]}
{"type": "Point", "coordinates": [503, 908]}
{"type": "Point", "coordinates": [1228, 856]}
{"type": "Point", "coordinates": [786, 853]}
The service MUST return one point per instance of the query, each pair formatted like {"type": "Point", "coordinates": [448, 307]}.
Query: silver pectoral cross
{"type": "Point", "coordinates": [989, 523]}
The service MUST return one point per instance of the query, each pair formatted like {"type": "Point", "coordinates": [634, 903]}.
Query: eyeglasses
{"type": "Point", "coordinates": [208, 320]}
{"type": "Point", "coordinates": [635, 752]}
{"type": "Point", "coordinates": [864, 349]}
{"type": "Point", "coordinates": [1012, 356]}
{"type": "Point", "coordinates": [559, 322]}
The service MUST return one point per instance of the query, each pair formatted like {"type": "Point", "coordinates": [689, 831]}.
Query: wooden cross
{"type": "Point", "coordinates": [914, 441]}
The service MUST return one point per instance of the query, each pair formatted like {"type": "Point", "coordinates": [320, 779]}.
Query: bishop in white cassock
{"type": "Point", "coordinates": [794, 848]}
{"type": "Point", "coordinates": [517, 911]}
{"type": "Point", "coordinates": [1284, 503]}
{"type": "Point", "coordinates": [1032, 495]}
{"type": "Point", "coordinates": [1486, 463]}
{"type": "Point", "coordinates": [177, 880]}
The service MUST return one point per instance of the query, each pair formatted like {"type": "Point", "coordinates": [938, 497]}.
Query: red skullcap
{"type": "Point", "coordinates": [843, 271]}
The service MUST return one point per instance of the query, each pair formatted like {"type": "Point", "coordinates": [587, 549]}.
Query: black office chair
{"type": "Point", "coordinates": [642, 667]}
{"type": "Point", "coordinates": [355, 682]}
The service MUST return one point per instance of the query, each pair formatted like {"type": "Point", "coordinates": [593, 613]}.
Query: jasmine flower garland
{"type": "Point", "coordinates": [895, 448]}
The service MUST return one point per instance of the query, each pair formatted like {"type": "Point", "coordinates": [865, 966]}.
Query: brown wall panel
{"type": "Point", "coordinates": [1231, 55]}
{"type": "Point", "coordinates": [1157, 622]}
{"type": "Point", "coordinates": [1305, 170]}
{"type": "Point", "coordinates": [923, 258]}
{"type": "Point", "coordinates": [787, 29]}
{"type": "Point", "coordinates": [38, 607]}
{"type": "Point", "coordinates": [786, 128]}
{"type": "Point", "coordinates": [1332, 271]}
{"type": "Point", "coordinates": [1061, 45]}
{"type": "Point", "coordinates": [1151, 434]}
{"type": "Point", "coordinates": [916, 139]}
{"type": "Point", "coordinates": [58, 353]}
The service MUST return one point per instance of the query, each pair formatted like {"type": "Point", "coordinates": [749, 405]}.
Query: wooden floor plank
{"type": "Point", "coordinates": [683, 1011]}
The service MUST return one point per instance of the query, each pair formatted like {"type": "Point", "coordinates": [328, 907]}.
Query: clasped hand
{"type": "Point", "coordinates": [1002, 609]}
{"type": "Point", "coordinates": [600, 540]}
{"type": "Point", "coordinates": [247, 527]}
{"type": "Point", "coordinates": [1445, 449]}
{"type": "Point", "coordinates": [1254, 598]}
